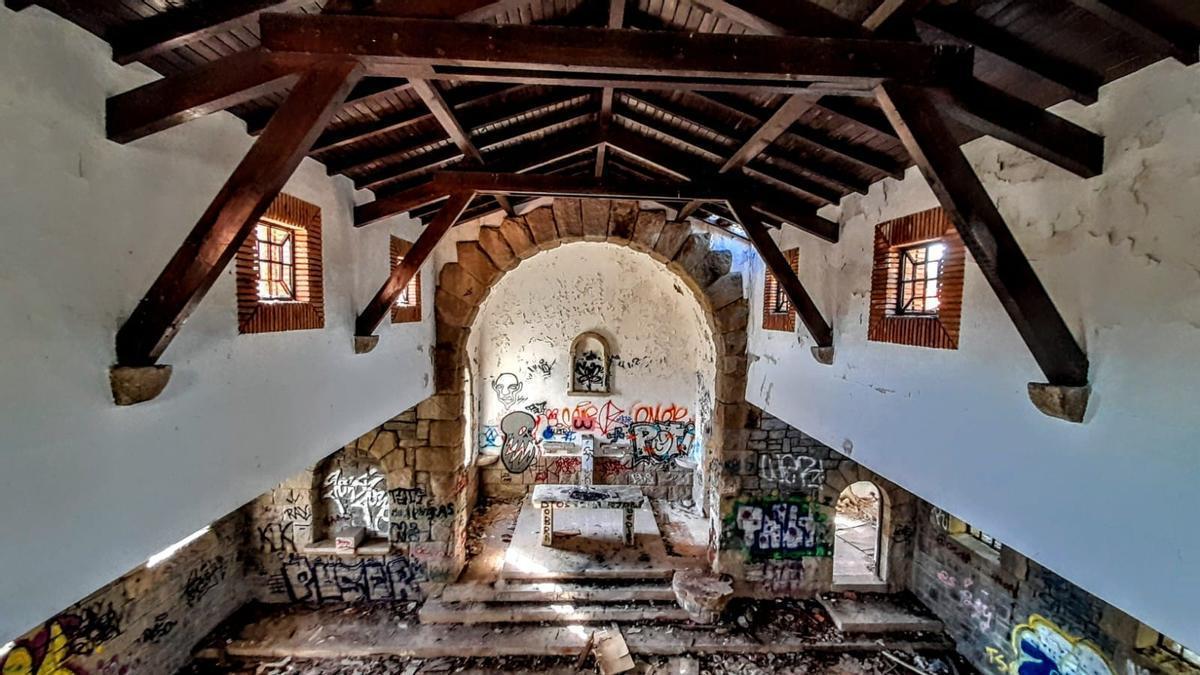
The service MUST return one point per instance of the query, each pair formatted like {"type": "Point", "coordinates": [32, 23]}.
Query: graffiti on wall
{"type": "Point", "coordinates": [79, 632]}
{"type": "Point", "coordinates": [508, 390]}
{"type": "Point", "coordinates": [543, 369]}
{"type": "Point", "coordinates": [796, 471]}
{"type": "Point", "coordinates": [414, 515]}
{"type": "Point", "coordinates": [779, 529]}
{"type": "Point", "coordinates": [661, 442]}
{"type": "Point", "coordinates": [589, 372]}
{"type": "Point", "coordinates": [519, 448]}
{"type": "Point", "coordinates": [203, 579]}
{"type": "Point", "coordinates": [1040, 647]}
{"type": "Point", "coordinates": [335, 579]}
{"type": "Point", "coordinates": [359, 500]}
{"type": "Point", "coordinates": [489, 437]}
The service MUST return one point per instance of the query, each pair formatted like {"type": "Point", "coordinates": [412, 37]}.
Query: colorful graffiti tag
{"type": "Point", "coordinates": [1040, 647]}
{"type": "Point", "coordinates": [660, 442]}
{"type": "Point", "coordinates": [779, 529]}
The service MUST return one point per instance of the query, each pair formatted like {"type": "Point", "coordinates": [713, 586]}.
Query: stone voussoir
{"type": "Point", "coordinates": [543, 228]}
{"type": "Point", "coordinates": [568, 216]}
{"type": "Point", "coordinates": [595, 218]}
{"type": "Point", "coordinates": [519, 238]}
{"type": "Point", "coordinates": [498, 250]}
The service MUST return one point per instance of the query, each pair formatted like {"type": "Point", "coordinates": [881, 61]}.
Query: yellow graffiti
{"type": "Point", "coordinates": [1040, 647]}
{"type": "Point", "coordinates": [20, 660]}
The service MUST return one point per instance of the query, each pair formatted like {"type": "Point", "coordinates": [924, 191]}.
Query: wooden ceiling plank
{"type": "Point", "coordinates": [516, 160]}
{"type": "Point", "coordinates": [385, 43]}
{"type": "Point", "coordinates": [1082, 84]}
{"type": "Point", "coordinates": [775, 261]}
{"type": "Point", "coordinates": [459, 136]}
{"type": "Point", "coordinates": [463, 10]}
{"type": "Point", "coordinates": [232, 215]}
{"type": "Point", "coordinates": [916, 114]}
{"type": "Point", "coordinates": [891, 11]}
{"type": "Point", "coordinates": [370, 318]}
{"type": "Point", "coordinates": [772, 17]}
{"type": "Point", "coordinates": [486, 142]}
{"type": "Point", "coordinates": [174, 28]}
{"type": "Point", "coordinates": [222, 84]}
{"type": "Point", "coordinates": [680, 163]}
{"type": "Point", "coordinates": [771, 129]}
{"type": "Point", "coordinates": [1033, 129]}
{"type": "Point", "coordinates": [1149, 24]}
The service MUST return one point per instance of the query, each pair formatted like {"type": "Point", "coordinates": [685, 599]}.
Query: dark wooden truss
{"type": "Point", "coordinates": [755, 112]}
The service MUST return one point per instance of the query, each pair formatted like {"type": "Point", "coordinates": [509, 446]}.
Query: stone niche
{"type": "Point", "coordinates": [590, 366]}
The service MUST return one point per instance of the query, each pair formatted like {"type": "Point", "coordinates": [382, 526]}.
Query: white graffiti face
{"type": "Point", "coordinates": [508, 389]}
{"type": "Point", "coordinates": [362, 500]}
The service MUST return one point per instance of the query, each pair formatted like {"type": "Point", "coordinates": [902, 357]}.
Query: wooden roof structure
{"type": "Point", "coordinates": [756, 112]}
{"type": "Point", "coordinates": [800, 150]}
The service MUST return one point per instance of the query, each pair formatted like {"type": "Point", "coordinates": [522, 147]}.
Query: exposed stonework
{"type": "Point", "coordinates": [687, 251]}
{"type": "Point", "coordinates": [148, 620]}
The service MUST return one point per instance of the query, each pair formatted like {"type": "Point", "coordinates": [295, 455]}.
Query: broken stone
{"type": "Point", "coordinates": [702, 595]}
{"type": "Point", "coordinates": [1061, 401]}
{"type": "Point", "coordinates": [136, 385]}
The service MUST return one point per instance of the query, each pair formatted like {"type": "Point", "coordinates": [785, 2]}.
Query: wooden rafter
{"type": "Point", "coordinates": [388, 171]}
{"type": "Point", "coordinates": [889, 11]}
{"type": "Point", "coordinates": [919, 122]}
{"type": "Point", "coordinates": [775, 261]}
{"type": "Point", "coordinates": [397, 46]}
{"type": "Point", "coordinates": [767, 200]}
{"type": "Point", "coordinates": [460, 137]}
{"type": "Point", "coordinates": [616, 19]}
{"type": "Point", "coordinates": [772, 17]}
{"type": "Point", "coordinates": [515, 160]}
{"type": "Point", "coordinates": [962, 25]}
{"type": "Point", "coordinates": [370, 318]}
{"type": "Point", "coordinates": [232, 215]}
{"type": "Point", "coordinates": [774, 127]}
{"type": "Point", "coordinates": [1146, 22]}
{"type": "Point", "coordinates": [174, 28]}
{"type": "Point", "coordinates": [1037, 131]}
{"type": "Point", "coordinates": [215, 86]}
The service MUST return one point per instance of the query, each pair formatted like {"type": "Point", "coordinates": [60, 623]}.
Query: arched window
{"type": "Point", "coordinates": [590, 365]}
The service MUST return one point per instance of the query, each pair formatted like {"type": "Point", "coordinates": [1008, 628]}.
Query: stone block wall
{"type": "Point", "coordinates": [147, 621]}
{"type": "Point", "coordinates": [1006, 611]}
{"type": "Point", "coordinates": [401, 480]}
{"type": "Point", "coordinates": [779, 498]}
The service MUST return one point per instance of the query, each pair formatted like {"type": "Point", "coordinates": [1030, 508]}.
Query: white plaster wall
{"type": "Point", "coordinates": [1110, 503]}
{"type": "Point", "coordinates": [89, 490]}
{"type": "Point", "coordinates": [652, 320]}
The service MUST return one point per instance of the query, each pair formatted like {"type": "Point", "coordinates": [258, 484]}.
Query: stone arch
{"type": "Point", "coordinates": [685, 250]}
{"type": "Point", "coordinates": [896, 518]}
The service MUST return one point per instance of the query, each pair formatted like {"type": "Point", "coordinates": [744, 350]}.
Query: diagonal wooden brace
{"type": "Point", "coordinates": [378, 308]}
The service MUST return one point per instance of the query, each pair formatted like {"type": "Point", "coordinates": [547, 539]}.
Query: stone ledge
{"type": "Point", "coordinates": [132, 385]}
{"type": "Point", "coordinates": [1061, 401]}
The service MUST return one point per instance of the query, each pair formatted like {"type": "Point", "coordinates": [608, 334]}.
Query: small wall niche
{"type": "Point", "coordinates": [591, 370]}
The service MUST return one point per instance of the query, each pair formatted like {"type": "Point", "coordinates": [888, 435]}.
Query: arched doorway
{"type": "Point", "coordinates": [857, 542]}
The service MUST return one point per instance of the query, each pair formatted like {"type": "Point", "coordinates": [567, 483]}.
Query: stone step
{"type": "Point", "coordinates": [559, 592]}
{"type": "Point", "coordinates": [436, 611]}
{"type": "Point", "coordinates": [876, 614]}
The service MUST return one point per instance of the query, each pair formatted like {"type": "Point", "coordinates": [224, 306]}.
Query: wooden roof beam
{"type": "Point", "coordinates": [370, 318]}
{"type": "Point", "coordinates": [155, 35]}
{"type": "Point", "coordinates": [775, 261]}
{"type": "Point", "coordinates": [397, 46]}
{"type": "Point", "coordinates": [213, 87]}
{"type": "Point", "coordinates": [445, 116]}
{"type": "Point", "coordinates": [372, 178]}
{"type": "Point", "coordinates": [772, 17]}
{"type": "Point", "coordinates": [1082, 84]}
{"type": "Point", "coordinates": [771, 129]}
{"type": "Point", "coordinates": [919, 121]}
{"type": "Point", "coordinates": [616, 19]}
{"type": "Point", "coordinates": [1029, 127]}
{"type": "Point", "coordinates": [462, 10]}
{"type": "Point", "coordinates": [513, 159]}
{"type": "Point", "coordinates": [1144, 21]}
{"type": "Point", "coordinates": [682, 164]}
{"type": "Point", "coordinates": [232, 215]}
